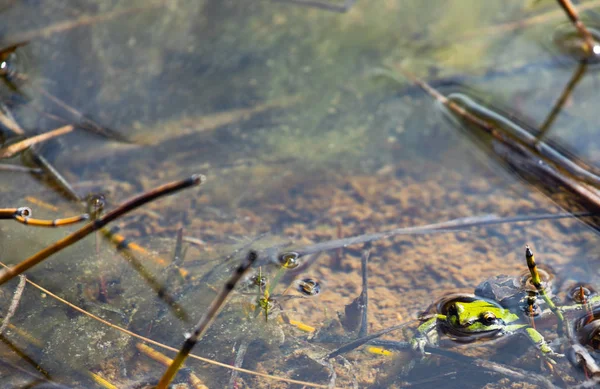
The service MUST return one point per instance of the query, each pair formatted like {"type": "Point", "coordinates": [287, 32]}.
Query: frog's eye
{"type": "Point", "coordinates": [452, 310]}
{"type": "Point", "coordinates": [488, 318]}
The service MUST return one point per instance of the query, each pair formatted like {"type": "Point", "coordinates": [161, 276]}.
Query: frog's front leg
{"type": "Point", "coordinates": [424, 335]}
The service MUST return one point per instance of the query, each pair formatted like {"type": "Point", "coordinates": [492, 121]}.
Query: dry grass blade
{"type": "Point", "coordinates": [136, 202]}
{"type": "Point", "coordinates": [15, 148]}
{"type": "Point", "coordinates": [206, 321]}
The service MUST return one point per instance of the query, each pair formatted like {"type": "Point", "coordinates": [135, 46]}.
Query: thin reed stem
{"type": "Point", "coordinates": [205, 321]}
{"type": "Point", "coordinates": [590, 45]}
{"type": "Point", "coordinates": [536, 280]}
{"type": "Point", "coordinates": [575, 78]}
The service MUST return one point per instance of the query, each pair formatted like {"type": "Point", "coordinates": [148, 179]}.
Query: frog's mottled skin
{"type": "Point", "coordinates": [469, 318]}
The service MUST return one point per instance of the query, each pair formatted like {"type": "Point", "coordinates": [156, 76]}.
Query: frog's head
{"type": "Point", "coordinates": [468, 315]}
{"type": "Point", "coordinates": [478, 316]}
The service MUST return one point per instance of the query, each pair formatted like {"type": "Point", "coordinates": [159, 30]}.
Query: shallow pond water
{"type": "Point", "coordinates": [276, 105]}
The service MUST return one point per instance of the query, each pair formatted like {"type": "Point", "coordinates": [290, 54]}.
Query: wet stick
{"type": "Point", "coordinates": [128, 206]}
{"type": "Point", "coordinates": [591, 47]}
{"type": "Point", "coordinates": [205, 321]}
{"type": "Point", "coordinates": [537, 282]}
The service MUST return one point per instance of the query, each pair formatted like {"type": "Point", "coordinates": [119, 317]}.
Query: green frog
{"type": "Point", "coordinates": [467, 318]}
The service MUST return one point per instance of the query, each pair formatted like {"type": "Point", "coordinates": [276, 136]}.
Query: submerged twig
{"type": "Point", "coordinates": [8, 274]}
{"type": "Point", "coordinates": [205, 321]}
{"type": "Point", "coordinates": [14, 304]}
{"type": "Point", "coordinates": [15, 148]}
{"type": "Point", "coordinates": [545, 126]}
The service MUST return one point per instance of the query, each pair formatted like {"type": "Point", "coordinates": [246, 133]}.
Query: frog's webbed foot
{"type": "Point", "coordinates": [426, 335]}
{"type": "Point", "coordinates": [541, 345]}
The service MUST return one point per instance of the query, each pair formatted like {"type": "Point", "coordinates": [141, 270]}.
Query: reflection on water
{"type": "Point", "coordinates": [273, 102]}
